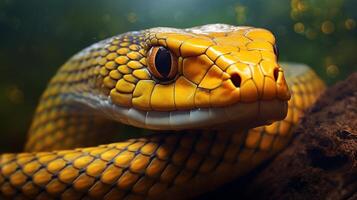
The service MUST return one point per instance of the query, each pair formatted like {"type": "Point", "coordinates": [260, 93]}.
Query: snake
{"type": "Point", "coordinates": [160, 113]}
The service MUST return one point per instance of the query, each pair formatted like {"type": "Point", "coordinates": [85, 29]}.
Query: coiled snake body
{"type": "Point", "coordinates": [179, 111]}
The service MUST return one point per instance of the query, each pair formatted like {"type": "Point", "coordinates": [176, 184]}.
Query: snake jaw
{"type": "Point", "coordinates": [216, 68]}
{"type": "Point", "coordinates": [237, 116]}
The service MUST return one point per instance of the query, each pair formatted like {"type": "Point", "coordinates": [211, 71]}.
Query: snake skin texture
{"type": "Point", "coordinates": [81, 104]}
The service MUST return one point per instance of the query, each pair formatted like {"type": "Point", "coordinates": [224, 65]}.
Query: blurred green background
{"type": "Point", "coordinates": [36, 37]}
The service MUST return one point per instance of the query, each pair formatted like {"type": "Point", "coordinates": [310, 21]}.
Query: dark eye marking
{"type": "Point", "coordinates": [162, 63]}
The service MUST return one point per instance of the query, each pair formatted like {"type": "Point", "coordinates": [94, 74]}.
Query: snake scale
{"type": "Point", "coordinates": [175, 112]}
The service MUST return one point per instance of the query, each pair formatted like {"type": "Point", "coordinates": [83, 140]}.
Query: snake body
{"type": "Point", "coordinates": [194, 129]}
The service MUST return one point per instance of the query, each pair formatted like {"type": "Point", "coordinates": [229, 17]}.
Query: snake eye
{"type": "Point", "coordinates": [276, 51]}
{"type": "Point", "coordinates": [162, 64]}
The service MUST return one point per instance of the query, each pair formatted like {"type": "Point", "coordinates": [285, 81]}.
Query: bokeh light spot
{"type": "Point", "coordinates": [240, 14]}
{"type": "Point", "coordinates": [350, 24]}
{"type": "Point", "coordinates": [327, 27]}
{"type": "Point", "coordinates": [294, 14]}
{"type": "Point", "coordinates": [310, 34]}
{"type": "Point", "coordinates": [302, 6]}
{"type": "Point", "coordinates": [132, 17]}
{"type": "Point", "coordinates": [332, 70]}
{"type": "Point", "coordinates": [14, 94]}
{"type": "Point", "coordinates": [299, 27]}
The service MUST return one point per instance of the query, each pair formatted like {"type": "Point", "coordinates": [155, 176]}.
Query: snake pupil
{"type": "Point", "coordinates": [163, 61]}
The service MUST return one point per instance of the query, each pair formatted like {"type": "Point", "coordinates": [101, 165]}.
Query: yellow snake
{"type": "Point", "coordinates": [179, 111]}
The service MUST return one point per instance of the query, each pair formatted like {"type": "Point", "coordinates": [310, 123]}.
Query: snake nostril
{"type": "Point", "coordinates": [236, 80]}
{"type": "Point", "coordinates": [276, 74]}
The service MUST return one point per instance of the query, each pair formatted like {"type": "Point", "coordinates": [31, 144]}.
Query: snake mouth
{"type": "Point", "coordinates": [237, 116]}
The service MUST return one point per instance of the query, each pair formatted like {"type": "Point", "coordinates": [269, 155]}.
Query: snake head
{"type": "Point", "coordinates": [211, 76]}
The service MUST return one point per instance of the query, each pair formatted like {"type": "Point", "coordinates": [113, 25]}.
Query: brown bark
{"type": "Point", "coordinates": [321, 161]}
